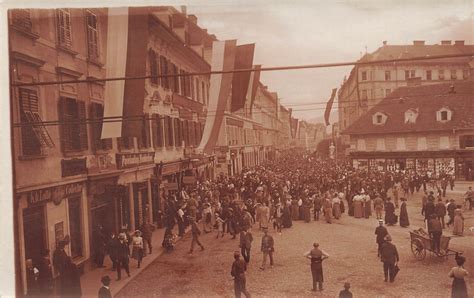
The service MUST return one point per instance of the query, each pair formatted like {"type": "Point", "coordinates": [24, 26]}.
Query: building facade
{"type": "Point", "coordinates": [423, 129]}
{"type": "Point", "coordinates": [367, 85]}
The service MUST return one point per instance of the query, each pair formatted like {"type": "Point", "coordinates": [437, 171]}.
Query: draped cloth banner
{"type": "Point", "coordinates": [327, 113]}
{"type": "Point", "coordinates": [117, 37]}
{"type": "Point", "coordinates": [241, 80]}
{"type": "Point", "coordinates": [254, 82]}
{"type": "Point", "coordinates": [223, 58]}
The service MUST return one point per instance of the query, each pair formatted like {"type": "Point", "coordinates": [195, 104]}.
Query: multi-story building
{"type": "Point", "coordinates": [420, 129]}
{"type": "Point", "coordinates": [68, 180]}
{"type": "Point", "coordinates": [368, 84]}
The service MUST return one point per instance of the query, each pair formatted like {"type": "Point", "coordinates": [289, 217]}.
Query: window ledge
{"type": "Point", "coordinates": [27, 33]}
{"type": "Point", "coordinates": [95, 61]}
{"type": "Point", "coordinates": [31, 157]}
{"type": "Point", "coordinates": [67, 50]}
{"type": "Point", "coordinates": [74, 153]}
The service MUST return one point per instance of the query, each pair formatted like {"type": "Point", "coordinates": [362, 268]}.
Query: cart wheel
{"type": "Point", "coordinates": [418, 249]}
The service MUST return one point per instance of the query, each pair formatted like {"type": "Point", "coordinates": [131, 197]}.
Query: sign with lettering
{"type": "Point", "coordinates": [56, 193]}
{"type": "Point", "coordinates": [72, 167]}
{"type": "Point", "coordinates": [129, 160]}
{"type": "Point", "coordinates": [170, 186]}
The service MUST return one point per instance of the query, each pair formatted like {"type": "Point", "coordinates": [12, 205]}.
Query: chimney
{"type": "Point", "coordinates": [459, 42]}
{"type": "Point", "coordinates": [193, 18]}
{"type": "Point", "coordinates": [445, 42]}
{"type": "Point", "coordinates": [418, 42]}
{"type": "Point", "coordinates": [384, 42]}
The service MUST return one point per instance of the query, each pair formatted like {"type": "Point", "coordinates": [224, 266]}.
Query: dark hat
{"type": "Point", "coordinates": [347, 285]}
{"type": "Point", "coordinates": [236, 253]}
{"type": "Point", "coordinates": [105, 279]}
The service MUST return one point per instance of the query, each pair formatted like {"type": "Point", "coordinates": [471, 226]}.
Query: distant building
{"type": "Point", "coordinates": [420, 129]}
{"type": "Point", "coordinates": [367, 85]}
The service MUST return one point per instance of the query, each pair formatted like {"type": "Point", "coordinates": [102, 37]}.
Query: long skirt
{"type": "Point", "coordinates": [295, 212]}
{"type": "Point", "coordinates": [317, 271]}
{"type": "Point", "coordinates": [307, 213]}
{"type": "Point", "coordinates": [336, 208]}
{"type": "Point", "coordinates": [357, 209]}
{"type": "Point", "coordinates": [458, 228]}
{"type": "Point", "coordinates": [459, 289]}
{"type": "Point", "coordinates": [368, 209]}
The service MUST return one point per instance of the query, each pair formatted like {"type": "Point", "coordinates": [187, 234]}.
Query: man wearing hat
{"type": "Point", "coordinates": [267, 248]}
{"type": "Point", "coordinates": [378, 206]}
{"type": "Point", "coordinates": [317, 256]}
{"type": "Point", "coordinates": [389, 257]}
{"type": "Point", "coordinates": [123, 253]}
{"type": "Point", "coordinates": [346, 293]}
{"type": "Point", "coordinates": [104, 291]}
{"type": "Point", "coordinates": [381, 232]}
{"type": "Point", "coordinates": [238, 272]}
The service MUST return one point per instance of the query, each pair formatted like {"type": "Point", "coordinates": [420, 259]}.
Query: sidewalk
{"type": "Point", "coordinates": [90, 281]}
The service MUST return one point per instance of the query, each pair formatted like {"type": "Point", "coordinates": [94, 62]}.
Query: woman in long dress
{"type": "Point", "coordinates": [458, 227]}
{"type": "Point", "coordinates": [295, 212]}
{"type": "Point", "coordinates": [390, 217]}
{"type": "Point", "coordinates": [336, 207]}
{"type": "Point", "coordinates": [459, 288]}
{"type": "Point", "coordinates": [357, 203]}
{"type": "Point", "coordinates": [367, 206]}
{"type": "Point", "coordinates": [286, 216]}
{"type": "Point", "coordinates": [404, 222]}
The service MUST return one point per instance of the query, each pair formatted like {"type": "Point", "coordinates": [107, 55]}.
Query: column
{"type": "Point", "coordinates": [150, 203]}
{"type": "Point", "coordinates": [131, 204]}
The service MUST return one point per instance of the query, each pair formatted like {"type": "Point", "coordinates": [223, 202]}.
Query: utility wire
{"type": "Point", "coordinates": [277, 68]}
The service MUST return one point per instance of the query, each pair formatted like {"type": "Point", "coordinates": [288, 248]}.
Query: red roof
{"type": "Point", "coordinates": [428, 99]}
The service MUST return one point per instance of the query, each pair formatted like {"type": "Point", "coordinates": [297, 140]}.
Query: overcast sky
{"type": "Point", "coordinates": [310, 32]}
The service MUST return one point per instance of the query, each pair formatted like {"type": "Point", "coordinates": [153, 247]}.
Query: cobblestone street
{"type": "Point", "coordinates": [353, 258]}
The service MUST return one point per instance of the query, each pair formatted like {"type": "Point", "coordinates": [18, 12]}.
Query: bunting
{"type": "Point", "coordinates": [223, 59]}
{"type": "Point", "coordinates": [327, 113]}
{"type": "Point", "coordinates": [254, 81]}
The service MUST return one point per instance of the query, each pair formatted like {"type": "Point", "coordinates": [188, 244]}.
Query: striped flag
{"type": "Point", "coordinates": [254, 81]}
{"type": "Point", "coordinates": [117, 38]}
{"type": "Point", "coordinates": [241, 80]}
{"type": "Point", "coordinates": [223, 59]}
{"type": "Point", "coordinates": [329, 106]}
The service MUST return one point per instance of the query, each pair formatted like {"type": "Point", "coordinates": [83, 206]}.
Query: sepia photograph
{"type": "Point", "coordinates": [306, 148]}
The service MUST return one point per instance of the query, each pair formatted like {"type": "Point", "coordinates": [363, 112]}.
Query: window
{"type": "Point", "coordinates": [198, 94]}
{"type": "Point", "coordinates": [444, 142]}
{"type": "Point", "coordinates": [428, 75]}
{"type": "Point", "coordinates": [75, 226]}
{"type": "Point", "coordinates": [92, 36]}
{"type": "Point", "coordinates": [177, 132]}
{"type": "Point", "coordinates": [388, 75]}
{"type": "Point", "coordinates": [64, 27]}
{"type": "Point", "coordinates": [443, 115]}
{"type": "Point", "coordinates": [164, 72]}
{"type": "Point", "coordinates": [441, 74]}
{"type": "Point", "coordinates": [387, 92]}
{"type": "Point", "coordinates": [465, 74]}
{"type": "Point", "coordinates": [407, 74]}
{"type": "Point", "coordinates": [21, 19]}
{"type": "Point", "coordinates": [203, 93]}
{"type": "Point", "coordinates": [192, 93]}
{"type": "Point", "coordinates": [155, 80]}
{"type": "Point", "coordinates": [411, 115]}
{"type": "Point", "coordinates": [466, 141]}
{"type": "Point", "coordinates": [144, 139]}
{"type": "Point", "coordinates": [364, 76]}
{"type": "Point", "coordinates": [33, 136]}
{"type": "Point", "coordinates": [191, 133]}
{"type": "Point", "coordinates": [126, 143]}
{"type": "Point", "coordinates": [401, 145]}
{"type": "Point", "coordinates": [169, 131]}
{"type": "Point", "coordinates": [412, 73]}
{"type": "Point", "coordinates": [97, 113]}
{"type": "Point", "coordinates": [72, 116]}
{"type": "Point", "coordinates": [186, 132]}
{"type": "Point", "coordinates": [422, 145]}
{"type": "Point", "coordinates": [361, 145]}
{"type": "Point", "coordinates": [380, 144]}
{"type": "Point", "coordinates": [453, 74]}
{"type": "Point", "coordinates": [157, 130]}
{"type": "Point", "coordinates": [175, 79]}
{"type": "Point", "coordinates": [379, 118]}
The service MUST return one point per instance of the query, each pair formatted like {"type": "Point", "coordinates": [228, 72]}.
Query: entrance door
{"type": "Point", "coordinates": [34, 230]}
{"type": "Point", "coordinates": [75, 226]}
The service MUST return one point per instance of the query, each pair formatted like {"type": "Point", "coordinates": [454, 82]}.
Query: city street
{"type": "Point", "coordinates": [353, 258]}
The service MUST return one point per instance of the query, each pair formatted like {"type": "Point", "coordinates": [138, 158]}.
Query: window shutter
{"type": "Point", "coordinates": [92, 38]}
{"type": "Point", "coordinates": [438, 116]}
{"type": "Point", "coordinates": [170, 132]}
{"type": "Point", "coordinates": [183, 83]}
{"type": "Point", "coordinates": [146, 128]}
{"type": "Point", "coordinates": [153, 67]}
{"type": "Point", "coordinates": [95, 125]}
{"type": "Point", "coordinates": [65, 127]}
{"type": "Point", "coordinates": [81, 108]}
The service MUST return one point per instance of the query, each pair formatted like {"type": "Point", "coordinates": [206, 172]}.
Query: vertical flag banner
{"type": "Point", "coordinates": [241, 80]}
{"type": "Point", "coordinates": [117, 37]}
{"type": "Point", "coordinates": [254, 82]}
{"type": "Point", "coordinates": [329, 106]}
{"type": "Point", "coordinates": [134, 93]}
{"type": "Point", "coordinates": [223, 58]}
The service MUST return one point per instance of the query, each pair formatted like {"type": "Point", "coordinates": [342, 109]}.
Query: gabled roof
{"type": "Point", "coordinates": [428, 99]}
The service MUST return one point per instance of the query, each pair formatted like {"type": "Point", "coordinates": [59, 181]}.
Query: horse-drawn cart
{"type": "Point", "coordinates": [421, 242]}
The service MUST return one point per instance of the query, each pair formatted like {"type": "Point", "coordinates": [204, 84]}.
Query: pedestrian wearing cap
{"type": "Point", "coordinates": [346, 293]}
{"type": "Point", "coordinates": [378, 206]}
{"type": "Point", "coordinates": [104, 291]}
{"type": "Point", "coordinates": [267, 249]}
{"type": "Point", "coordinates": [317, 256]}
{"type": "Point", "coordinates": [122, 255]}
{"type": "Point", "coordinates": [238, 273]}
{"type": "Point", "coordinates": [389, 257]}
{"type": "Point", "coordinates": [381, 232]}
{"type": "Point", "coordinates": [246, 239]}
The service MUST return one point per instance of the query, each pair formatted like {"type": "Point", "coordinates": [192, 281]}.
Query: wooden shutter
{"type": "Point", "coordinates": [171, 72]}
{"type": "Point", "coordinates": [153, 67]}
{"type": "Point", "coordinates": [82, 116]}
{"type": "Point", "coordinates": [21, 18]}
{"type": "Point", "coordinates": [95, 125]}
{"type": "Point", "coordinates": [64, 27]}
{"type": "Point", "coordinates": [183, 83]}
{"type": "Point", "coordinates": [177, 136]}
{"type": "Point", "coordinates": [157, 131]}
{"type": "Point", "coordinates": [92, 35]}
{"type": "Point", "coordinates": [170, 132]}
{"type": "Point", "coordinates": [176, 79]}
{"type": "Point", "coordinates": [64, 128]}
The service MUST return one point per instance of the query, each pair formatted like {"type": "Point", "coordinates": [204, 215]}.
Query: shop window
{"type": "Point", "coordinates": [152, 60]}
{"type": "Point", "coordinates": [157, 129]}
{"type": "Point", "coordinates": [466, 141]}
{"type": "Point", "coordinates": [96, 115]}
{"type": "Point", "coordinates": [21, 19]}
{"type": "Point", "coordinates": [34, 230]}
{"type": "Point", "coordinates": [75, 226]}
{"type": "Point", "coordinates": [92, 36]}
{"type": "Point", "coordinates": [34, 135]}
{"type": "Point", "coordinates": [72, 116]}
{"type": "Point", "coordinates": [64, 27]}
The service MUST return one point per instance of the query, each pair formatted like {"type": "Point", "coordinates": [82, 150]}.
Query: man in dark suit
{"type": "Point", "coordinates": [104, 291]}
{"type": "Point", "coordinates": [381, 232]}
{"type": "Point", "coordinates": [389, 257]}
{"type": "Point", "coordinates": [122, 255]}
{"type": "Point", "coordinates": [238, 273]}
{"type": "Point", "coordinates": [267, 248]}
{"type": "Point", "coordinates": [246, 239]}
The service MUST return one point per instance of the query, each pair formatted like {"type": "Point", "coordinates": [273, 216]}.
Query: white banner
{"type": "Point", "coordinates": [117, 36]}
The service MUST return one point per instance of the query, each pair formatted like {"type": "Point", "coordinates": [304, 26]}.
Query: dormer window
{"type": "Point", "coordinates": [379, 118]}
{"type": "Point", "coordinates": [444, 115]}
{"type": "Point", "coordinates": [411, 115]}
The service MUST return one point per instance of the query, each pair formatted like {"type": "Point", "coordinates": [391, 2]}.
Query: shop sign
{"type": "Point", "coordinates": [189, 179]}
{"type": "Point", "coordinates": [56, 194]}
{"type": "Point", "coordinates": [129, 160]}
{"type": "Point", "coordinates": [100, 163]}
{"type": "Point", "coordinates": [170, 168]}
{"type": "Point", "coordinates": [170, 186]}
{"type": "Point", "coordinates": [72, 167]}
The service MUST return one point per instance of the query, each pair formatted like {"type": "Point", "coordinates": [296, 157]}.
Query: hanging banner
{"type": "Point", "coordinates": [327, 113]}
{"type": "Point", "coordinates": [241, 80]}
